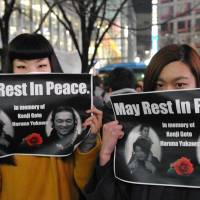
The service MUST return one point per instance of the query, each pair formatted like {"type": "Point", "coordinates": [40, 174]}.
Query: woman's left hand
{"type": "Point", "coordinates": [95, 123]}
{"type": "Point", "coordinates": [95, 120]}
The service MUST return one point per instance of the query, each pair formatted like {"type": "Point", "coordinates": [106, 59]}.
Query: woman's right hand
{"type": "Point", "coordinates": [112, 131]}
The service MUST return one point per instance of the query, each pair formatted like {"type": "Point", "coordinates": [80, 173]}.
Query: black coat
{"type": "Point", "coordinates": [104, 186]}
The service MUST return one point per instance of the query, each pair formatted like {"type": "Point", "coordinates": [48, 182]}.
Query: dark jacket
{"type": "Point", "coordinates": [104, 186]}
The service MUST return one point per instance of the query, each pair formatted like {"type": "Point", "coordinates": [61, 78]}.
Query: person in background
{"type": "Point", "coordinates": [98, 87]}
{"type": "Point", "coordinates": [121, 81]}
{"type": "Point", "coordinates": [46, 178]}
{"type": "Point", "coordinates": [98, 91]}
{"type": "Point", "coordinates": [173, 67]}
{"type": "Point", "coordinates": [139, 86]}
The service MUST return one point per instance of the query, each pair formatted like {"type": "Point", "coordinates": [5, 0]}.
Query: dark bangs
{"type": "Point", "coordinates": [29, 46]}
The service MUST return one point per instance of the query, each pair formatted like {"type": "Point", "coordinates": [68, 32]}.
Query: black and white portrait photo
{"type": "Point", "coordinates": [142, 137]}
{"type": "Point", "coordinates": [46, 118]}
{"type": "Point", "coordinates": [63, 128]}
{"type": "Point", "coordinates": [161, 143]}
{"type": "Point", "coordinates": [138, 154]}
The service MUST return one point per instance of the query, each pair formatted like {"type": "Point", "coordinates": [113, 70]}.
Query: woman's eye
{"type": "Point", "coordinates": [21, 67]}
{"type": "Point", "coordinates": [180, 85]}
{"type": "Point", "coordinates": [42, 66]}
{"type": "Point", "coordinates": [159, 85]}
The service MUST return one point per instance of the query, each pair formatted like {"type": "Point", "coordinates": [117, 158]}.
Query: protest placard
{"type": "Point", "coordinates": [161, 145]}
{"type": "Point", "coordinates": [42, 114]}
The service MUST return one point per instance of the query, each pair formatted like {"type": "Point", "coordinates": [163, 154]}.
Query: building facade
{"type": "Point", "coordinates": [27, 17]}
{"type": "Point", "coordinates": [179, 22]}
{"type": "Point", "coordinates": [143, 12]}
{"type": "Point", "coordinates": [118, 45]}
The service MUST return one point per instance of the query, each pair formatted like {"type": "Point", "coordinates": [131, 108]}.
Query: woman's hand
{"type": "Point", "coordinates": [112, 131]}
{"type": "Point", "coordinates": [95, 123]}
{"type": "Point", "coordinates": [95, 120]}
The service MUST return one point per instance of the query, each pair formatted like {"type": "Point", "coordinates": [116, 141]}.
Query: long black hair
{"type": "Point", "coordinates": [30, 46]}
{"type": "Point", "coordinates": [121, 78]}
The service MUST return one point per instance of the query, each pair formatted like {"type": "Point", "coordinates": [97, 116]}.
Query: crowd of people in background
{"type": "Point", "coordinates": [88, 173]}
{"type": "Point", "coordinates": [119, 80]}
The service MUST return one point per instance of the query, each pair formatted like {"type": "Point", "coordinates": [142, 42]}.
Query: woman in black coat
{"type": "Point", "coordinates": [173, 67]}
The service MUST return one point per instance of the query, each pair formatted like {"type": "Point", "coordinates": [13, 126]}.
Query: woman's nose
{"type": "Point", "coordinates": [168, 87]}
{"type": "Point", "coordinates": [32, 69]}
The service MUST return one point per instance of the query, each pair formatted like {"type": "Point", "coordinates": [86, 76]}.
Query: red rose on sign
{"type": "Point", "coordinates": [33, 139]}
{"type": "Point", "coordinates": [183, 166]}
